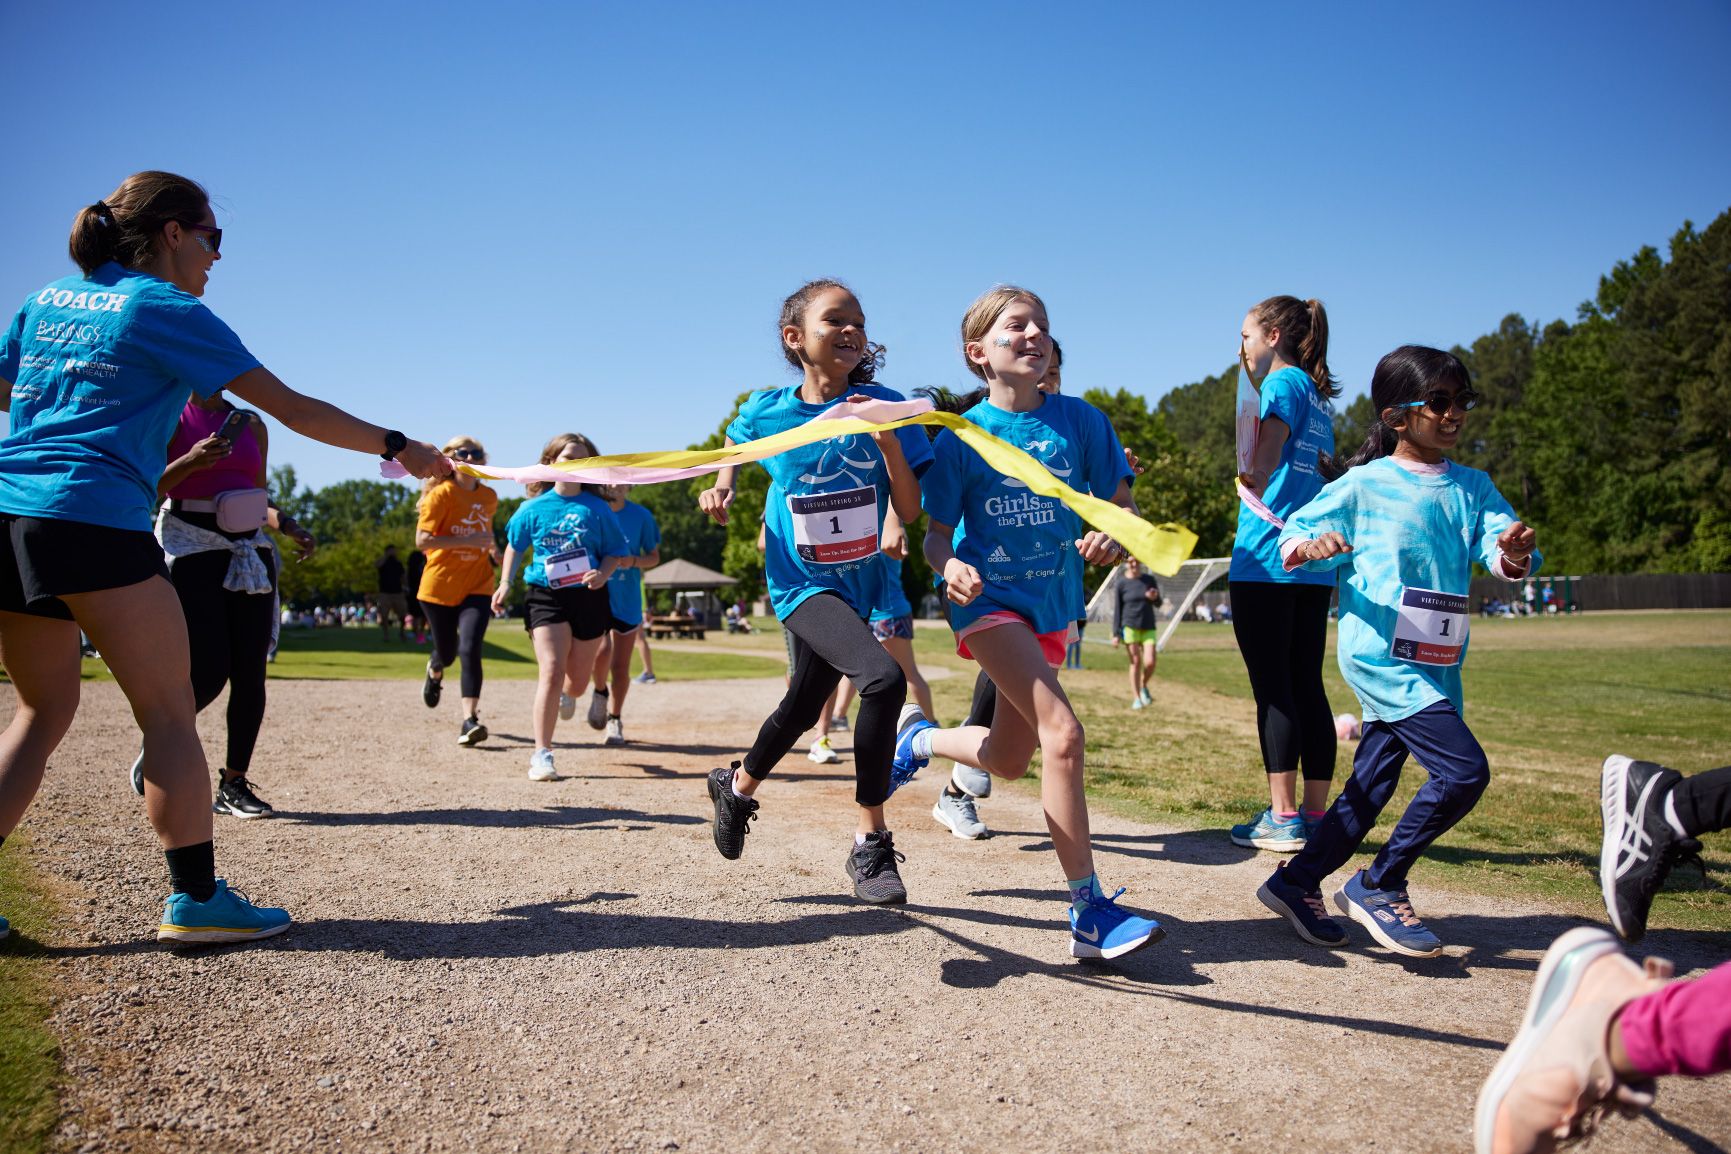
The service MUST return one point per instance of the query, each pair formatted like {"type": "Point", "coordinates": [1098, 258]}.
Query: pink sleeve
{"type": "Point", "coordinates": [1287, 549]}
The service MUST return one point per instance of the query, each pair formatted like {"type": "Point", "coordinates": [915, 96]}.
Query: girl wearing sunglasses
{"type": "Point", "coordinates": [97, 368]}
{"type": "Point", "coordinates": [455, 528]}
{"type": "Point", "coordinates": [1402, 528]}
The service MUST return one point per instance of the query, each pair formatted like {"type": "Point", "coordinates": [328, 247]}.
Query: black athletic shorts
{"type": "Point", "coordinates": [41, 559]}
{"type": "Point", "coordinates": [589, 612]}
{"type": "Point", "coordinates": [624, 627]}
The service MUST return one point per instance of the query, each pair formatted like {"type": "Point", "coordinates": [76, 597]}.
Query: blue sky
{"type": "Point", "coordinates": [512, 220]}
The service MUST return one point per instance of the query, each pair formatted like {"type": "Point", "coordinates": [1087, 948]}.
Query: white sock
{"type": "Point", "coordinates": [858, 838]}
{"type": "Point", "coordinates": [1671, 818]}
{"type": "Point", "coordinates": [922, 743]}
{"type": "Point", "coordinates": [734, 785]}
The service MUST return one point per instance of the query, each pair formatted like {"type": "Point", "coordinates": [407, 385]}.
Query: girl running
{"type": "Point", "coordinates": [1011, 562]}
{"type": "Point", "coordinates": [625, 595]}
{"type": "Point", "coordinates": [455, 531]}
{"type": "Point", "coordinates": [577, 545]}
{"type": "Point", "coordinates": [823, 521]}
{"type": "Point", "coordinates": [97, 368]}
{"type": "Point", "coordinates": [1280, 616]}
{"type": "Point", "coordinates": [1402, 526]}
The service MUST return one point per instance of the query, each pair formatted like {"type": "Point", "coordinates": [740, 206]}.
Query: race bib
{"type": "Point", "coordinates": [567, 568]}
{"type": "Point", "coordinates": [830, 528]}
{"type": "Point", "coordinates": [1430, 627]}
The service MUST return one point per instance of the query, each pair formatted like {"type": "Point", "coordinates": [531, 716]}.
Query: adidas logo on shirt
{"type": "Point", "coordinates": [998, 555]}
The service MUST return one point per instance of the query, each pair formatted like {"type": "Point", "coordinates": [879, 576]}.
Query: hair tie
{"type": "Point", "coordinates": [101, 209]}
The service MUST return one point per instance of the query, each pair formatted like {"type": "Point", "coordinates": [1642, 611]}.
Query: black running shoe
{"type": "Point", "coordinates": [1639, 847]}
{"type": "Point", "coordinates": [872, 869]}
{"type": "Point", "coordinates": [733, 814]}
{"type": "Point", "coordinates": [236, 798]}
{"type": "Point", "coordinates": [431, 688]}
{"type": "Point", "coordinates": [473, 732]}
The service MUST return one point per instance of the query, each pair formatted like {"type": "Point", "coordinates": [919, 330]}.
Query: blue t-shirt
{"type": "Point", "coordinates": [1407, 531]}
{"type": "Point", "coordinates": [893, 601]}
{"type": "Point", "coordinates": [642, 535]}
{"type": "Point", "coordinates": [1291, 396]}
{"type": "Point", "coordinates": [100, 368]}
{"type": "Point", "coordinates": [824, 515]}
{"type": "Point", "coordinates": [1024, 545]}
{"type": "Point", "coordinates": [550, 524]}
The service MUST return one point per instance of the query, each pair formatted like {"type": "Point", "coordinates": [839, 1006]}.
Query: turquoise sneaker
{"type": "Point", "coordinates": [1269, 832]}
{"type": "Point", "coordinates": [1102, 930]}
{"type": "Point", "coordinates": [229, 916]}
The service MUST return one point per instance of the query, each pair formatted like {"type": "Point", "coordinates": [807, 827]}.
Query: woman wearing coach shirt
{"type": "Point", "coordinates": [98, 367]}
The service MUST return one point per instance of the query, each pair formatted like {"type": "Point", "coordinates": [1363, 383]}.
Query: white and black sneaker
{"type": "Point", "coordinates": [871, 866]}
{"type": "Point", "coordinates": [615, 732]}
{"type": "Point", "coordinates": [1639, 847]}
{"type": "Point", "coordinates": [431, 688]}
{"type": "Point", "coordinates": [472, 733]}
{"type": "Point", "coordinates": [138, 774]}
{"type": "Point", "coordinates": [236, 798]}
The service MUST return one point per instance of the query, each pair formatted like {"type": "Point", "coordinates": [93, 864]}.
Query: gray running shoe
{"type": "Point", "coordinates": [976, 783]}
{"type": "Point", "coordinates": [597, 710]}
{"type": "Point", "coordinates": [567, 707]}
{"type": "Point", "coordinates": [871, 867]}
{"type": "Point", "coordinates": [960, 815]}
{"type": "Point", "coordinates": [733, 814]}
{"type": "Point", "coordinates": [138, 774]}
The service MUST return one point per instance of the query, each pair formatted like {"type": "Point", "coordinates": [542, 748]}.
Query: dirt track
{"type": "Point", "coordinates": [486, 962]}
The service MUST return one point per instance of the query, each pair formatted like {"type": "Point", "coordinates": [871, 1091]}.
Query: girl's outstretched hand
{"type": "Point", "coordinates": [499, 595]}
{"type": "Point", "coordinates": [1517, 542]}
{"type": "Point", "coordinates": [962, 581]}
{"type": "Point", "coordinates": [1323, 547]}
{"type": "Point", "coordinates": [714, 501]}
{"type": "Point", "coordinates": [1098, 548]}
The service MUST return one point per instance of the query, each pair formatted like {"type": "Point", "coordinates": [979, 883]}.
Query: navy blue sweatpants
{"type": "Point", "coordinates": [1446, 748]}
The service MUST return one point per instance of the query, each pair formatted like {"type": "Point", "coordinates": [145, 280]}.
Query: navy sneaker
{"type": "Point", "coordinates": [1103, 930]}
{"type": "Point", "coordinates": [5, 927]}
{"type": "Point", "coordinates": [229, 916]}
{"type": "Point", "coordinates": [1389, 917]}
{"type": "Point", "coordinates": [1303, 908]}
{"type": "Point", "coordinates": [904, 765]}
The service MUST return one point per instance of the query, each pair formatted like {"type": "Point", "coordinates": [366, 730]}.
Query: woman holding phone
{"type": "Point", "coordinates": [223, 566]}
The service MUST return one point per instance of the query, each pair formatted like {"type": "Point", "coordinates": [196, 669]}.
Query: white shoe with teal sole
{"type": "Point", "coordinates": [229, 916]}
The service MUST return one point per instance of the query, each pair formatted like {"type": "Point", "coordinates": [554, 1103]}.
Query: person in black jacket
{"type": "Point", "coordinates": [1135, 626]}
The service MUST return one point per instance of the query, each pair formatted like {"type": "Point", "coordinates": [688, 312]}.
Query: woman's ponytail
{"type": "Point", "coordinates": [94, 237]}
{"type": "Point", "coordinates": [124, 226]}
{"type": "Point", "coordinates": [1303, 328]}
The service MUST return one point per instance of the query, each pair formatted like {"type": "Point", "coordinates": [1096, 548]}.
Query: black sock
{"type": "Point", "coordinates": [192, 870]}
{"type": "Point", "coordinates": [952, 790]}
{"type": "Point", "coordinates": [599, 692]}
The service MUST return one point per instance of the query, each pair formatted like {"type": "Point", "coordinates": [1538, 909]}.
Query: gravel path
{"type": "Point", "coordinates": [486, 962]}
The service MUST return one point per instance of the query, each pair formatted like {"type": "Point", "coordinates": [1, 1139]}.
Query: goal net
{"type": "Point", "coordinates": [1183, 596]}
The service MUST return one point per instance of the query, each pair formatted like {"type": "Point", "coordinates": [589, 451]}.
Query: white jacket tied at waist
{"type": "Point", "coordinates": [247, 572]}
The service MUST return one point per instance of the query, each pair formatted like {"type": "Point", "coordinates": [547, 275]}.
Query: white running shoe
{"type": "Point", "coordinates": [597, 711]}
{"type": "Point", "coordinates": [959, 814]}
{"type": "Point", "coordinates": [567, 707]}
{"type": "Point", "coordinates": [541, 766]}
{"type": "Point", "coordinates": [822, 753]}
{"type": "Point", "coordinates": [615, 732]}
{"type": "Point", "coordinates": [976, 783]}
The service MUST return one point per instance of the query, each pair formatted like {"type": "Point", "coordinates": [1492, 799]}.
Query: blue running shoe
{"type": "Point", "coordinates": [5, 927]}
{"type": "Point", "coordinates": [229, 916]}
{"type": "Point", "coordinates": [1266, 831]}
{"type": "Point", "coordinates": [1303, 908]}
{"type": "Point", "coordinates": [904, 765]}
{"type": "Point", "coordinates": [1388, 915]}
{"type": "Point", "coordinates": [1102, 930]}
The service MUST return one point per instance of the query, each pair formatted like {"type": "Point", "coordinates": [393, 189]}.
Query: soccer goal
{"type": "Point", "coordinates": [1178, 595]}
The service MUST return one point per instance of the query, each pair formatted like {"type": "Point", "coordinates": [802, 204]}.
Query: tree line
{"type": "Point", "coordinates": [1611, 434]}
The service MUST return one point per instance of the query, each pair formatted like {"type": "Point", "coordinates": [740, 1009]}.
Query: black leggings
{"type": "Point", "coordinates": [1282, 630]}
{"type": "Point", "coordinates": [830, 641]}
{"type": "Point", "coordinates": [457, 634]}
{"type": "Point", "coordinates": [985, 704]}
{"type": "Point", "coordinates": [1704, 801]}
{"type": "Point", "coordinates": [229, 636]}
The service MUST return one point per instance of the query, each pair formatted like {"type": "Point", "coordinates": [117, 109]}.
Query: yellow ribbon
{"type": "Point", "coordinates": [1163, 548]}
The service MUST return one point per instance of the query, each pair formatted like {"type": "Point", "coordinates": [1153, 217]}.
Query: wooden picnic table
{"type": "Point", "coordinates": [675, 625]}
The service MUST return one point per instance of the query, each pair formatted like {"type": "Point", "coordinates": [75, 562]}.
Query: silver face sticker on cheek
{"type": "Point", "coordinates": [1003, 342]}
{"type": "Point", "coordinates": [202, 243]}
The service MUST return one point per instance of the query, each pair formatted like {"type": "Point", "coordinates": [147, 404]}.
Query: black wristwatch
{"type": "Point", "coordinates": [395, 443]}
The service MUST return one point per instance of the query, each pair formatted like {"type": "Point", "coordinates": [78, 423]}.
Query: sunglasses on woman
{"type": "Point", "coordinates": [1441, 403]}
{"type": "Point", "coordinates": [209, 230]}
{"type": "Point", "coordinates": [468, 454]}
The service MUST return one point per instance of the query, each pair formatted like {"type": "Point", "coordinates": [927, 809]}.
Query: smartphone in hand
{"type": "Point", "coordinates": [233, 424]}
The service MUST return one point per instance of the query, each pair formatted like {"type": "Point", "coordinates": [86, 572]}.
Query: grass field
{"type": "Point", "coordinates": [29, 1055]}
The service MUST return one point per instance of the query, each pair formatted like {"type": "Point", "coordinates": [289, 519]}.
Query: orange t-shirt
{"type": "Point", "coordinates": [449, 510]}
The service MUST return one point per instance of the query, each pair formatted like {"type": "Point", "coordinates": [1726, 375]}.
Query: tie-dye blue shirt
{"type": "Point", "coordinates": [1407, 531]}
